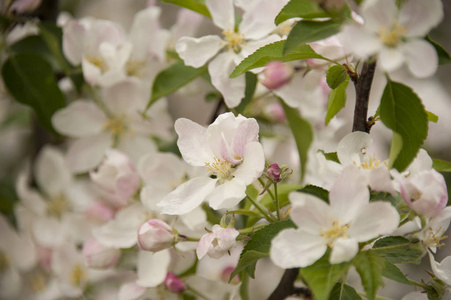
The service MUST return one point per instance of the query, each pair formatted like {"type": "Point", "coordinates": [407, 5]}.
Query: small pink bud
{"type": "Point", "coordinates": [217, 243]}
{"type": "Point", "coordinates": [155, 235]}
{"type": "Point", "coordinates": [273, 173]}
{"type": "Point", "coordinates": [99, 256]}
{"type": "Point", "coordinates": [277, 74]}
{"type": "Point", "coordinates": [174, 284]}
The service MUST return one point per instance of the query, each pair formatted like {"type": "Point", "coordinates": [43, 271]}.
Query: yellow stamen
{"type": "Point", "coordinates": [37, 281]}
{"type": "Point", "coordinates": [234, 40]}
{"type": "Point", "coordinates": [98, 62]}
{"type": "Point", "coordinates": [391, 36]}
{"type": "Point", "coordinates": [78, 275]}
{"type": "Point", "coordinates": [219, 168]}
{"type": "Point", "coordinates": [335, 232]}
{"type": "Point", "coordinates": [57, 206]}
{"type": "Point", "coordinates": [136, 68]}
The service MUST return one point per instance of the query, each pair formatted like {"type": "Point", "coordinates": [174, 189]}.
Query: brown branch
{"type": "Point", "coordinates": [362, 90]}
{"type": "Point", "coordinates": [286, 286]}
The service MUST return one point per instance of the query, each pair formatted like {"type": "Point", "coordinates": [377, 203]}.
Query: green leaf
{"type": "Point", "coordinates": [53, 36]}
{"type": "Point", "coordinates": [394, 273]}
{"type": "Point", "coordinates": [399, 250]}
{"type": "Point", "coordinates": [441, 165]}
{"type": "Point", "coordinates": [343, 291]}
{"type": "Point", "coordinates": [302, 132]}
{"type": "Point", "coordinates": [309, 31]}
{"type": "Point", "coordinates": [29, 78]}
{"type": "Point", "coordinates": [316, 191]}
{"type": "Point", "coordinates": [337, 100]}
{"type": "Point", "coordinates": [251, 84]}
{"type": "Point", "coordinates": [305, 9]}
{"type": "Point", "coordinates": [402, 112]}
{"type": "Point", "coordinates": [432, 117]}
{"type": "Point", "coordinates": [322, 276]}
{"type": "Point", "coordinates": [171, 79]}
{"type": "Point", "coordinates": [332, 156]}
{"type": "Point", "coordinates": [443, 55]}
{"type": "Point", "coordinates": [370, 267]}
{"type": "Point", "coordinates": [35, 44]}
{"type": "Point", "coordinates": [194, 5]}
{"type": "Point", "coordinates": [259, 246]}
{"type": "Point", "coordinates": [270, 52]}
{"type": "Point", "coordinates": [336, 75]}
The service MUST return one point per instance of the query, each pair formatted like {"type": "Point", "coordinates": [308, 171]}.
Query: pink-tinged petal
{"type": "Point", "coordinates": [79, 119]}
{"type": "Point", "coordinates": [193, 142]}
{"type": "Point", "coordinates": [292, 248]}
{"type": "Point", "coordinates": [227, 195]}
{"type": "Point", "coordinates": [359, 41]}
{"type": "Point", "coordinates": [204, 245]}
{"type": "Point", "coordinates": [443, 269]}
{"type": "Point", "coordinates": [378, 13]}
{"type": "Point", "coordinates": [87, 153]}
{"type": "Point", "coordinates": [377, 218]}
{"type": "Point", "coordinates": [51, 171]}
{"type": "Point", "coordinates": [195, 52]}
{"type": "Point", "coordinates": [253, 163]}
{"type": "Point", "coordinates": [124, 97]}
{"type": "Point", "coordinates": [152, 267]}
{"type": "Point", "coordinates": [232, 89]}
{"type": "Point", "coordinates": [421, 58]}
{"type": "Point", "coordinates": [246, 132]}
{"type": "Point", "coordinates": [187, 196]}
{"type": "Point", "coordinates": [349, 194]}
{"type": "Point", "coordinates": [380, 180]}
{"type": "Point", "coordinates": [418, 17]}
{"type": "Point", "coordinates": [343, 250]}
{"type": "Point", "coordinates": [73, 47]}
{"type": "Point", "coordinates": [353, 147]}
{"type": "Point", "coordinates": [309, 213]}
{"type": "Point", "coordinates": [391, 59]}
{"type": "Point", "coordinates": [131, 291]}
{"type": "Point", "coordinates": [222, 13]}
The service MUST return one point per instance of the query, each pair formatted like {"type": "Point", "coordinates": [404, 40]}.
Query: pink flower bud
{"type": "Point", "coordinates": [277, 74]}
{"type": "Point", "coordinates": [99, 212]}
{"type": "Point", "coordinates": [273, 172]}
{"type": "Point", "coordinates": [275, 112]}
{"type": "Point", "coordinates": [217, 243]}
{"type": "Point", "coordinates": [155, 235]}
{"type": "Point", "coordinates": [99, 256]}
{"type": "Point", "coordinates": [174, 284]}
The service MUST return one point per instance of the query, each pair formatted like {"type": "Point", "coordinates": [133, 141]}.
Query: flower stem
{"type": "Point", "coordinates": [421, 285]}
{"type": "Point", "coordinates": [261, 208]}
{"type": "Point", "coordinates": [269, 191]}
{"type": "Point", "coordinates": [251, 229]}
{"type": "Point", "coordinates": [276, 201]}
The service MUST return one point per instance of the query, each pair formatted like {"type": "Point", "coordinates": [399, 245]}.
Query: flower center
{"type": "Point", "coordinates": [335, 232]}
{"type": "Point", "coordinates": [434, 238]}
{"type": "Point", "coordinates": [98, 62]}
{"type": "Point", "coordinates": [393, 35]}
{"type": "Point", "coordinates": [136, 68]}
{"type": "Point", "coordinates": [37, 281]}
{"type": "Point", "coordinates": [284, 28]}
{"type": "Point", "coordinates": [77, 275]}
{"type": "Point", "coordinates": [219, 168]}
{"type": "Point", "coordinates": [234, 40]}
{"type": "Point", "coordinates": [117, 126]}
{"type": "Point", "coordinates": [57, 206]}
{"type": "Point", "coordinates": [369, 162]}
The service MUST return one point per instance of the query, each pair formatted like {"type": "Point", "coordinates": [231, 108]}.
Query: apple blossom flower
{"type": "Point", "coordinates": [155, 235]}
{"type": "Point", "coordinates": [434, 232]}
{"type": "Point", "coordinates": [277, 74]}
{"type": "Point", "coordinates": [174, 284]}
{"type": "Point", "coordinates": [349, 220]}
{"type": "Point", "coordinates": [254, 31]}
{"type": "Point", "coordinates": [443, 269]}
{"type": "Point", "coordinates": [217, 243]}
{"type": "Point", "coordinates": [396, 35]}
{"type": "Point", "coordinates": [117, 176]}
{"type": "Point", "coordinates": [231, 156]}
{"type": "Point", "coordinates": [98, 256]}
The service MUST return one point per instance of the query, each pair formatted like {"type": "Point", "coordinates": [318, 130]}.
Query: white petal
{"type": "Point", "coordinates": [152, 267]}
{"type": "Point", "coordinates": [343, 250]}
{"type": "Point", "coordinates": [419, 16]}
{"type": "Point", "coordinates": [87, 153]}
{"type": "Point", "coordinates": [195, 52]}
{"type": "Point", "coordinates": [124, 97]}
{"type": "Point", "coordinates": [380, 180]}
{"type": "Point", "coordinates": [51, 171]}
{"type": "Point", "coordinates": [352, 148]}
{"type": "Point", "coordinates": [377, 218]}
{"type": "Point", "coordinates": [91, 73]}
{"type": "Point", "coordinates": [421, 162]}
{"type": "Point", "coordinates": [144, 29]}
{"type": "Point", "coordinates": [360, 41]}
{"type": "Point", "coordinates": [391, 58]}
{"type": "Point", "coordinates": [79, 119]}
{"type": "Point", "coordinates": [193, 142]}
{"type": "Point", "coordinates": [73, 35]}
{"type": "Point", "coordinates": [222, 13]}
{"type": "Point", "coordinates": [421, 58]}
{"type": "Point", "coordinates": [443, 269]}
{"type": "Point", "coordinates": [232, 89]}
{"type": "Point", "coordinates": [136, 146]}
{"type": "Point", "coordinates": [309, 213]}
{"type": "Point", "coordinates": [349, 194]}
{"type": "Point", "coordinates": [227, 195]}
{"type": "Point", "coordinates": [253, 163]}
{"type": "Point", "coordinates": [48, 232]}
{"type": "Point", "coordinates": [187, 196]}
{"type": "Point", "coordinates": [10, 284]}
{"type": "Point", "coordinates": [130, 291]}
{"type": "Point", "coordinates": [252, 46]}
{"type": "Point", "coordinates": [378, 13]}
{"type": "Point", "coordinates": [246, 132]}
{"type": "Point", "coordinates": [292, 248]}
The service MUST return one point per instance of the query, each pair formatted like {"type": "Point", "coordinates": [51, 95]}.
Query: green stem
{"type": "Point", "coordinates": [244, 288]}
{"type": "Point", "coordinates": [394, 247]}
{"type": "Point", "coordinates": [421, 285]}
{"type": "Point", "coordinates": [276, 201]}
{"type": "Point", "coordinates": [251, 229]}
{"type": "Point", "coordinates": [269, 191]}
{"type": "Point", "coordinates": [184, 238]}
{"type": "Point", "coordinates": [261, 208]}
{"type": "Point", "coordinates": [197, 293]}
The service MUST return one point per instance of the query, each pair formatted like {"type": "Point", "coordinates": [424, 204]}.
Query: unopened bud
{"type": "Point", "coordinates": [277, 74]}
{"type": "Point", "coordinates": [273, 173]}
{"type": "Point", "coordinates": [99, 256]}
{"type": "Point", "coordinates": [174, 284]}
{"type": "Point", "coordinates": [155, 235]}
